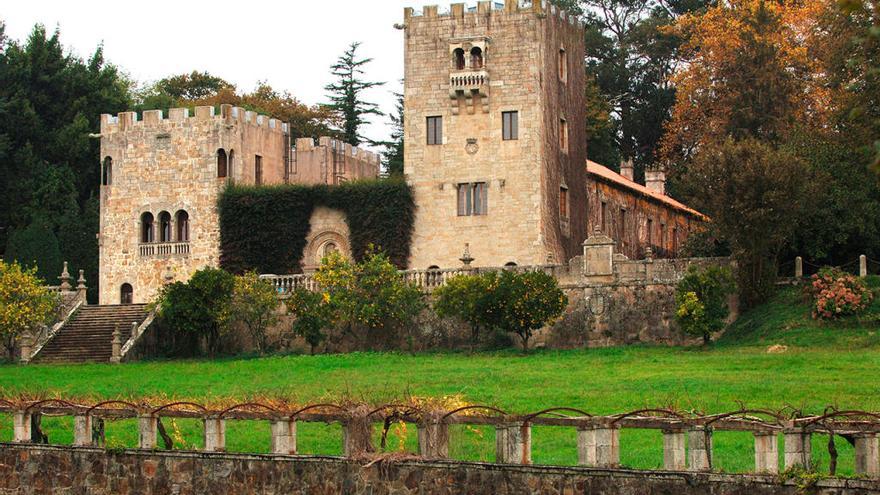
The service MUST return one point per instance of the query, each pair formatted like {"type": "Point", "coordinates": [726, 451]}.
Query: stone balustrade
{"type": "Point", "coordinates": [163, 249]}
{"type": "Point", "coordinates": [687, 440]}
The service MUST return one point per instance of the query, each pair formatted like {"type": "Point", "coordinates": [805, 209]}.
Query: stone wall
{"type": "Point", "coordinates": [523, 176]}
{"type": "Point", "coordinates": [330, 161]}
{"type": "Point", "coordinates": [36, 470]}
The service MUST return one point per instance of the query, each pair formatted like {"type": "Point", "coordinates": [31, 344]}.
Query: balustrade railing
{"type": "Point", "coordinates": [687, 445]}
{"type": "Point", "coordinates": [164, 249]}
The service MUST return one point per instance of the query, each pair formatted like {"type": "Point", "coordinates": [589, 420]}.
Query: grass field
{"type": "Point", "coordinates": [824, 365]}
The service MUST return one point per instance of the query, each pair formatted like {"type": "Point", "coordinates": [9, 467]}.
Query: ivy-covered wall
{"type": "Point", "coordinates": [264, 228]}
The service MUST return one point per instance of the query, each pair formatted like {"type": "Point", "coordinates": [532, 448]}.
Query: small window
{"type": "Point", "coordinates": [563, 202]}
{"type": "Point", "coordinates": [329, 248]}
{"type": "Point", "coordinates": [146, 227]}
{"type": "Point", "coordinates": [663, 236]}
{"type": "Point", "coordinates": [230, 170]}
{"type": "Point", "coordinates": [472, 199]}
{"type": "Point", "coordinates": [675, 240]}
{"type": "Point", "coordinates": [164, 227]}
{"type": "Point", "coordinates": [222, 163]}
{"type": "Point", "coordinates": [622, 222]}
{"type": "Point", "coordinates": [563, 135]}
{"type": "Point", "coordinates": [126, 294]}
{"type": "Point", "coordinates": [650, 232]}
{"type": "Point", "coordinates": [435, 130]}
{"type": "Point", "coordinates": [603, 216]}
{"type": "Point", "coordinates": [258, 170]}
{"type": "Point", "coordinates": [107, 172]}
{"type": "Point", "coordinates": [476, 58]}
{"type": "Point", "coordinates": [563, 65]}
{"type": "Point", "coordinates": [182, 220]}
{"type": "Point", "coordinates": [510, 264]}
{"type": "Point", "coordinates": [509, 125]}
{"type": "Point", "coordinates": [458, 59]}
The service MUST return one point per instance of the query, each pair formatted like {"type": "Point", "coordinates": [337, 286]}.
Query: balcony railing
{"type": "Point", "coordinates": [465, 80]}
{"type": "Point", "coordinates": [164, 249]}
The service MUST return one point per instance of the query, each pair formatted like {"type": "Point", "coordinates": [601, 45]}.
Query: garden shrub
{"type": "Point", "coordinates": [461, 298]}
{"type": "Point", "coordinates": [701, 300]}
{"type": "Point", "coordinates": [254, 305]}
{"type": "Point", "coordinates": [836, 294]}
{"type": "Point", "coordinates": [197, 309]}
{"type": "Point", "coordinates": [313, 316]}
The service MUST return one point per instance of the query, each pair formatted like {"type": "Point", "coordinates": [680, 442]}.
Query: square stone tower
{"type": "Point", "coordinates": [495, 145]}
{"type": "Point", "coordinates": [161, 178]}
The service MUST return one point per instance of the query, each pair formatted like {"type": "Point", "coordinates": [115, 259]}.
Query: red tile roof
{"type": "Point", "coordinates": [609, 175]}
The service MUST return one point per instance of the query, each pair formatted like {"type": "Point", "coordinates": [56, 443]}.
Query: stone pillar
{"type": "Point", "coordinates": [867, 454]}
{"type": "Point", "coordinates": [148, 426]}
{"type": "Point", "coordinates": [598, 255]}
{"type": "Point", "coordinates": [674, 450]}
{"type": "Point", "coordinates": [65, 279]}
{"type": "Point", "coordinates": [284, 436]}
{"type": "Point", "coordinates": [21, 427]}
{"type": "Point", "coordinates": [215, 434]}
{"type": "Point", "coordinates": [357, 436]}
{"type": "Point", "coordinates": [798, 448]}
{"type": "Point", "coordinates": [116, 346]}
{"type": "Point", "coordinates": [27, 349]}
{"type": "Point", "coordinates": [863, 266]}
{"type": "Point", "coordinates": [513, 443]}
{"type": "Point", "coordinates": [766, 452]}
{"type": "Point", "coordinates": [799, 267]}
{"type": "Point", "coordinates": [599, 446]}
{"type": "Point", "coordinates": [81, 286]}
{"type": "Point", "coordinates": [434, 439]}
{"type": "Point", "coordinates": [700, 448]}
{"type": "Point", "coordinates": [82, 431]}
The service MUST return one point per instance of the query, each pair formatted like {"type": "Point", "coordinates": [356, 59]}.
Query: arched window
{"type": "Point", "coordinates": [330, 247]}
{"type": "Point", "coordinates": [476, 58]}
{"type": "Point", "coordinates": [458, 59]}
{"type": "Point", "coordinates": [164, 227]}
{"type": "Point", "coordinates": [126, 294]}
{"type": "Point", "coordinates": [231, 168]}
{"type": "Point", "coordinates": [222, 166]}
{"type": "Point", "coordinates": [509, 265]}
{"type": "Point", "coordinates": [107, 172]}
{"type": "Point", "coordinates": [147, 227]}
{"type": "Point", "coordinates": [182, 219]}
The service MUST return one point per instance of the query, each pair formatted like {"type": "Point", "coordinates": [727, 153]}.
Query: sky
{"type": "Point", "coordinates": [290, 45]}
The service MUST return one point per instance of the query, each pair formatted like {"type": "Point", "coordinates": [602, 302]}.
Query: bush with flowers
{"type": "Point", "coordinates": [836, 293]}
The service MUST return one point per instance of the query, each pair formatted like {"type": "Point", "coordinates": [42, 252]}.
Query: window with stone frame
{"type": "Point", "coordinates": [146, 228]}
{"type": "Point", "coordinates": [107, 172]}
{"type": "Point", "coordinates": [126, 294]}
{"type": "Point", "coordinates": [164, 227]}
{"type": "Point", "coordinates": [476, 58]}
{"type": "Point", "coordinates": [563, 135]}
{"type": "Point", "coordinates": [182, 221]}
{"type": "Point", "coordinates": [473, 199]}
{"type": "Point", "coordinates": [258, 170]}
{"type": "Point", "coordinates": [222, 163]}
{"type": "Point", "coordinates": [435, 130]}
{"type": "Point", "coordinates": [563, 202]}
{"type": "Point", "coordinates": [650, 229]}
{"type": "Point", "coordinates": [563, 65]}
{"type": "Point", "coordinates": [509, 125]}
{"type": "Point", "coordinates": [603, 217]}
{"type": "Point", "coordinates": [458, 59]}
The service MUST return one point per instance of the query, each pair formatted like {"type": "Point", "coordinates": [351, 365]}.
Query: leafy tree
{"type": "Point", "coordinates": [254, 304]}
{"type": "Point", "coordinates": [524, 302]}
{"type": "Point", "coordinates": [755, 195]}
{"type": "Point", "coordinates": [347, 94]}
{"type": "Point", "coordinates": [313, 315]}
{"type": "Point", "coordinates": [193, 86]}
{"type": "Point", "coordinates": [36, 247]}
{"type": "Point", "coordinates": [198, 309]}
{"type": "Point", "coordinates": [25, 304]}
{"type": "Point", "coordinates": [464, 297]}
{"type": "Point", "coordinates": [701, 300]}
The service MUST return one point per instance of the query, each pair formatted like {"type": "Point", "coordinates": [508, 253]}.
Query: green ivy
{"type": "Point", "coordinates": [264, 228]}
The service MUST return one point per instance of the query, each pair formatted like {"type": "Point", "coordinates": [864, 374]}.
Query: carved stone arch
{"type": "Point", "coordinates": [329, 231]}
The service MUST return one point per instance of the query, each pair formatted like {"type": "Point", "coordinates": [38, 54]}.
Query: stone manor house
{"type": "Point", "coordinates": [495, 151]}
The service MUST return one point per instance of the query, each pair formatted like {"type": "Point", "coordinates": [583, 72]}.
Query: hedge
{"type": "Point", "coordinates": [264, 228]}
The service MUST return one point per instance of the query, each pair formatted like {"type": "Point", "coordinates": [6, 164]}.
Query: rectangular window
{"type": "Point", "coordinates": [563, 65]}
{"type": "Point", "coordinates": [472, 199]}
{"type": "Point", "coordinates": [662, 236]}
{"type": "Point", "coordinates": [622, 225]}
{"type": "Point", "coordinates": [258, 169]}
{"type": "Point", "coordinates": [563, 202]}
{"type": "Point", "coordinates": [603, 216]}
{"type": "Point", "coordinates": [563, 135]}
{"type": "Point", "coordinates": [509, 126]}
{"type": "Point", "coordinates": [674, 240]}
{"type": "Point", "coordinates": [650, 232]}
{"type": "Point", "coordinates": [435, 130]}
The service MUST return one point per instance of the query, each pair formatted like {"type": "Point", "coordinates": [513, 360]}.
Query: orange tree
{"type": "Point", "coordinates": [521, 303]}
{"type": "Point", "coordinates": [24, 304]}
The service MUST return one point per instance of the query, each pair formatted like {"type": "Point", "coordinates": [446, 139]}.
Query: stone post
{"type": "Point", "coordinates": [674, 450]}
{"type": "Point", "coordinates": [357, 436]}
{"type": "Point", "coordinates": [215, 434]}
{"type": "Point", "coordinates": [798, 448]}
{"type": "Point", "coordinates": [598, 255]}
{"type": "Point", "coordinates": [513, 443]}
{"type": "Point", "coordinates": [116, 345]}
{"type": "Point", "coordinates": [799, 267]}
{"type": "Point", "coordinates": [81, 286]}
{"type": "Point", "coordinates": [433, 439]}
{"type": "Point", "coordinates": [867, 454]}
{"type": "Point", "coordinates": [148, 426]}
{"type": "Point", "coordinates": [700, 448]}
{"type": "Point", "coordinates": [84, 431]}
{"type": "Point", "coordinates": [284, 436]}
{"type": "Point", "coordinates": [599, 446]}
{"type": "Point", "coordinates": [21, 427]}
{"type": "Point", "coordinates": [27, 349]}
{"type": "Point", "coordinates": [766, 452]}
{"type": "Point", "coordinates": [863, 266]}
{"type": "Point", "coordinates": [65, 279]}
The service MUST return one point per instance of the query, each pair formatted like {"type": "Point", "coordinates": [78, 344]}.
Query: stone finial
{"type": "Point", "coordinates": [466, 258]}
{"type": "Point", "coordinates": [116, 345]}
{"type": "Point", "coordinates": [65, 278]}
{"type": "Point", "coordinates": [27, 342]}
{"type": "Point", "coordinates": [799, 267]}
{"type": "Point", "coordinates": [649, 253]}
{"type": "Point", "coordinates": [863, 266]}
{"type": "Point", "coordinates": [81, 285]}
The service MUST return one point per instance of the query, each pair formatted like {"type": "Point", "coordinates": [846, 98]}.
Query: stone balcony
{"type": "Point", "coordinates": [163, 249]}
{"type": "Point", "coordinates": [471, 85]}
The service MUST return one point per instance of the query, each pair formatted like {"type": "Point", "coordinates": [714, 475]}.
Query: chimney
{"type": "Point", "coordinates": [655, 180]}
{"type": "Point", "coordinates": [626, 168]}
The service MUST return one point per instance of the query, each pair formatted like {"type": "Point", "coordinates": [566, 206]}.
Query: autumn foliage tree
{"type": "Point", "coordinates": [25, 304]}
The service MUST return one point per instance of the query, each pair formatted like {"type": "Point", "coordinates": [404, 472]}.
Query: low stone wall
{"type": "Point", "coordinates": [32, 470]}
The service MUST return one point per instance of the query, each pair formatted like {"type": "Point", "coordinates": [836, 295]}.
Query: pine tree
{"type": "Point", "coordinates": [394, 148]}
{"type": "Point", "coordinates": [36, 246]}
{"type": "Point", "coordinates": [346, 94]}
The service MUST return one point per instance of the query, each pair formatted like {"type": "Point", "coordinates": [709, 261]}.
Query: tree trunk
{"type": "Point", "coordinates": [707, 338]}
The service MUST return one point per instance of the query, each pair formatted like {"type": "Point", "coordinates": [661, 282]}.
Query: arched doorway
{"type": "Point", "coordinates": [126, 294]}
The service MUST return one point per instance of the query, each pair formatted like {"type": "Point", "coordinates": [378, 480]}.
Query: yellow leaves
{"type": "Point", "coordinates": [24, 302]}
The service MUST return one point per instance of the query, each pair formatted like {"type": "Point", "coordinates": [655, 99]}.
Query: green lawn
{"type": "Point", "coordinates": [824, 365]}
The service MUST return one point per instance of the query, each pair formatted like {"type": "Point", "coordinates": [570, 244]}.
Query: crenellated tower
{"type": "Point", "coordinates": [495, 144]}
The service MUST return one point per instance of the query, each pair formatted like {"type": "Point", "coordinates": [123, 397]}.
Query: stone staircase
{"type": "Point", "coordinates": [88, 335]}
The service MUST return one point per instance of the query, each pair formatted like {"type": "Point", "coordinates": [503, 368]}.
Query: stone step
{"type": "Point", "coordinates": [88, 335]}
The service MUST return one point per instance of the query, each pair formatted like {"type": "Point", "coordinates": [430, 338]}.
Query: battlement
{"type": "Point", "coordinates": [305, 145]}
{"type": "Point", "coordinates": [229, 114]}
{"type": "Point", "coordinates": [542, 8]}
